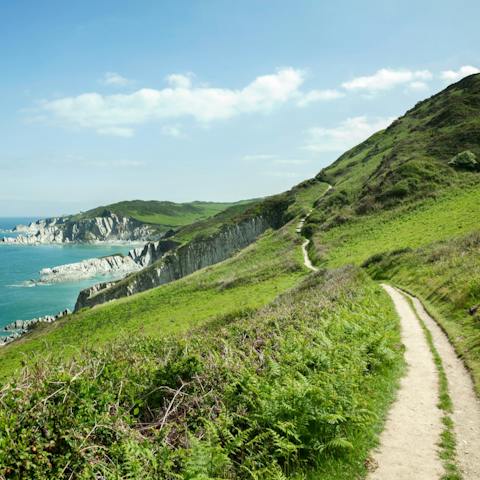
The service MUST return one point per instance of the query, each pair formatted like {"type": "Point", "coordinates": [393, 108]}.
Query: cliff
{"type": "Point", "coordinates": [180, 261]}
{"type": "Point", "coordinates": [115, 265]}
{"type": "Point", "coordinates": [106, 228]}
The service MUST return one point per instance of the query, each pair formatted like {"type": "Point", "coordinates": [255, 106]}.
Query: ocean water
{"type": "Point", "coordinates": [19, 300]}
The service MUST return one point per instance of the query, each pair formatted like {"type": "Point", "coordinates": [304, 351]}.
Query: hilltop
{"type": "Point", "coordinates": [162, 213]}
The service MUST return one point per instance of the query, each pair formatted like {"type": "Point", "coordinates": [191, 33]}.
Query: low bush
{"type": "Point", "coordinates": [466, 160]}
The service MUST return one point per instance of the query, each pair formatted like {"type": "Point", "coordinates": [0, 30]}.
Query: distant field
{"type": "Point", "coordinates": [167, 214]}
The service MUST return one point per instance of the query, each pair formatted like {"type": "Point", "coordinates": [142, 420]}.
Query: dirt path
{"type": "Point", "coordinates": [408, 444]}
{"type": "Point", "coordinates": [306, 258]}
{"type": "Point", "coordinates": [466, 406]}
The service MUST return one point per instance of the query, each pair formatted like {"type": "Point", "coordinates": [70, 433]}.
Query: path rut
{"type": "Point", "coordinates": [408, 444]}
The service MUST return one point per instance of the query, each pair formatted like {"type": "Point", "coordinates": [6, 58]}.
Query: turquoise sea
{"type": "Point", "coordinates": [19, 264]}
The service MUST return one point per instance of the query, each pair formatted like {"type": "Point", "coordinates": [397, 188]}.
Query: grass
{"type": "Point", "coordinates": [248, 280]}
{"type": "Point", "coordinates": [166, 214]}
{"type": "Point", "coordinates": [452, 215]}
{"type": "Point", "coordinates": [296, 389]}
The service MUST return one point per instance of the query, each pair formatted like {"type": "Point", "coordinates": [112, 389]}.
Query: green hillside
{"type": "Point", "coordinates": [256, 367]}
{"type": "Point", "coordinates": [165, 214]}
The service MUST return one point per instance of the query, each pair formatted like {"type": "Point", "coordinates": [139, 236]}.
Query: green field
{"type": "Point", "coordinates": [166, 214]}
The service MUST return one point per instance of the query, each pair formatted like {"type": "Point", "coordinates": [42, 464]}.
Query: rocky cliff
{"type": "Point", "coordinates": [114, 265]}
{"type": "Point", "coordinates": [107, 228]}
{"type": "Point", "coordinates": [178, 262]}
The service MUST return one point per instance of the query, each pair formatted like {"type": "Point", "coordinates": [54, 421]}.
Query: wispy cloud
{"type": "Point", "coordinates": [115, 79]}
{"type": "Point", "coordinates": [319, 96]}
{"type": "Point", "coordinates": [118, 114]}
{"type": "Point", "coordinates": [385, 79]}
{"type": "Point", "coordinates": [455, 75]}
{"type": "Point", "coordinates": [347, 134]}
{"type": "Point", "coordinates": [172, 131]}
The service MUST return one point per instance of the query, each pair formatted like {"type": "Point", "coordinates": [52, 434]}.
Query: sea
{"type": "Point", "coordinates": [20, 298]}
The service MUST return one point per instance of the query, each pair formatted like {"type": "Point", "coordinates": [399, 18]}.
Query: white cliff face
{"type": "Point", "coordinates": [178, 262]}
{"type": "Point", "coordinates": [114, 265]}
{"type": "Point", "coordinates": [107, 228]}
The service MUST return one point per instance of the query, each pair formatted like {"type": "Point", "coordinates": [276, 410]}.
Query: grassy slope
{"type": "Point", "coordinates": [453, 214]}
{"type": "Point", "coordinates": [298, 388]}
{"type": "Point", "coordinates": [166, 214]}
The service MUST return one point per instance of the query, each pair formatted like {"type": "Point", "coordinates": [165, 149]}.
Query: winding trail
{"type": "Point", "coordinates": [306, 259]}
{"type": "Point", "coordinates": [466, 406]}
{"type": "Point", "coordinates": [409, 443]}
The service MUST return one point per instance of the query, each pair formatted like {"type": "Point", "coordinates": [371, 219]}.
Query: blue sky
{"type": "Point", "coordinates": [213, 100]}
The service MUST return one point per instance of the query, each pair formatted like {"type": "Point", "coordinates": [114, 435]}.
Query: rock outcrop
{"type": "Point", "coordinates": [20, 327]}
{"type": "Point", "coordinates": [115, 265]}
{"type": "Point", "coordinates": [107, 228]}
{"type": "Point", "coordinates": [179, 262]}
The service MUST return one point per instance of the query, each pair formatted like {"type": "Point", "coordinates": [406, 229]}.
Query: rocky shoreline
{"type": "Point", "coordinates": [108, 227]}
{"type": "Point", "coordinates": [21, 327]}
{"type": "Point", "coordinates": [116, 265]}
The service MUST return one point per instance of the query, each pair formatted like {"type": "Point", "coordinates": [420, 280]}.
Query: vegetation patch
{"type": "Point", "coordinates": [297, 388]}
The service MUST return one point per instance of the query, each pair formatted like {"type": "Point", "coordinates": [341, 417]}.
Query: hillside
{"type": "Point", "coordinates": [254, 367]}
{"type": "Point", "coordinates": [162, 213]}
{"type": "Point", "coordinates": [410, 159]}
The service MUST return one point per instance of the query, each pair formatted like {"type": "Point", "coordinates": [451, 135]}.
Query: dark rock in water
{"type": "Point", "coordinates": [20, 327]}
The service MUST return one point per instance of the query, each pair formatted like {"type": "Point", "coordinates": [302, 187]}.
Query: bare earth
{"type": "Point", "coordinates": [466, 406]}
{"type": "Point", "coordinates": [408, 444]}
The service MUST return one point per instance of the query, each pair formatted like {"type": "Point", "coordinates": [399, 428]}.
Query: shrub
{"type": "Point", "coordinates": [466, 160]}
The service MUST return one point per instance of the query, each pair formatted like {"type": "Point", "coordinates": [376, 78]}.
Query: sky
{"type": "Point", "coordinates": [219, 100]}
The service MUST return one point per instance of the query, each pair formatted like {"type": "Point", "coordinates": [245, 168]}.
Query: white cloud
{"type": "Point", "coordinates": [172, 131]}
{"type": "Point", "coordinates": [116, 131]}
{"type": "Point", "coordinates": [114, 163]}
{"type": "Point", "coordinates": [291, 161]}
{"type": "Point", "coordinates": [319, 96]}
{"type": "Point", "coordinates": [385, 79]}
{"type": "Point", "coordinates": [117, 114]}
{"type": "Point", "coordinates": [113, 78]}
{"type": "Point", "coordinates": [455, 75]}
{"type": "Point", "coordinates": [417, 86]}
{"type": "Point", "coordinates": [178, 80]}
{"type": "Point", "coordinates": [347, 134]}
